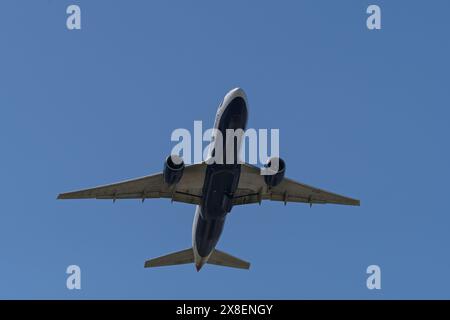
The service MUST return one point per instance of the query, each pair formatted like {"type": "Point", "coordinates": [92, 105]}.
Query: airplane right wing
{"type": "Point", "coordinates": [253, 189]}
{"type": "Point", "coordinates": [187, 190]}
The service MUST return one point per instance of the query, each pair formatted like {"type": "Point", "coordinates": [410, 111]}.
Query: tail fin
{"type": "Point", "coordinates": [180, 257]}
{"type": "Point", "coordinates": [224, 259]}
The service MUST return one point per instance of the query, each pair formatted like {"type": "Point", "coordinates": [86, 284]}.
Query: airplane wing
{"type": "Point", "coordinates": [187, 190]}
{"type": "Point", "coordinates": [253, 189]}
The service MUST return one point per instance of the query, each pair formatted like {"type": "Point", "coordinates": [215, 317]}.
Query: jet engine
{"type": "Point", "coordinates": [274, 176]}
{"type": "Point", "coordinates": [173, 169]}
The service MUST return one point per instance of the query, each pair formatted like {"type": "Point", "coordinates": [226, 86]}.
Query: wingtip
{"type": "Point", "coordinates": [62, 196]}
{"type": "Point", "coordinates": [147, 264]}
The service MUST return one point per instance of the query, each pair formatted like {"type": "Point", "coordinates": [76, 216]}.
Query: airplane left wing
{"type": "Point", "coordinates": [253, 189]}
{"type": "Point", "coordinates": [187, 190]}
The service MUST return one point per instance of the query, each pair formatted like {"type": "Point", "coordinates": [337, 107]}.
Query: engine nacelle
{"type": "Point", "coordinates": [276, 176]}
{"type": "Point", "coordinates": [173, 169]}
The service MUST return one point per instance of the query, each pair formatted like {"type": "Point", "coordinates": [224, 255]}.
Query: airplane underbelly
{"type": "Point", "coordinates": [206, 234]}
{"type": "Point", "coordinates": [221, 182]}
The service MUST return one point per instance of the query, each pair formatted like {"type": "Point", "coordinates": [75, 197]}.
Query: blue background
{"type": "Point", "coordinates": [362, 113]}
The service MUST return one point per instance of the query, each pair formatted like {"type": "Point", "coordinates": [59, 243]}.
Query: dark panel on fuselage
{"type": "Point", "coordinates": [221, 180]}
{"type": "Point", "coordinates": [220, 183]}
{"type": "Point", "coordinates": [207, 234]}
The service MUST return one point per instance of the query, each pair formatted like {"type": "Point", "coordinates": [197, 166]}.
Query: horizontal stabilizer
{"type": "Point", "coordinates": [180, 257]}
{"type": "Point", "coordinates": [224, 259]}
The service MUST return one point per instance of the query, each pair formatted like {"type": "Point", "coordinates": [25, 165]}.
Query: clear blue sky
{"type": "Point", "coordinates": [362, 113]}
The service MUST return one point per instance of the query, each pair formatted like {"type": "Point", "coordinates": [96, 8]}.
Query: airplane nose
{"type": "Point", "coordinates": [237, 92]}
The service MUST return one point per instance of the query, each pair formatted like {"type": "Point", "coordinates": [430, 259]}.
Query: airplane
{"type": "Point", "coordinates": [214, 188]}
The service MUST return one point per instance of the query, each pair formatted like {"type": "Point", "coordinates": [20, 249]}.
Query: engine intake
{"type": "Point", "coordinates": [173, 169]}
{"type": "Point", "coordinates": [273, 177]}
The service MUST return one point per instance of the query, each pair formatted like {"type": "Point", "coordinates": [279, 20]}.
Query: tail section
{"type": "Point", "coordinates": [224, 259]}
{"type": "Point", "coordinates": [187, 256]}
{"type": "Point", "coordinates": [180, 257]}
